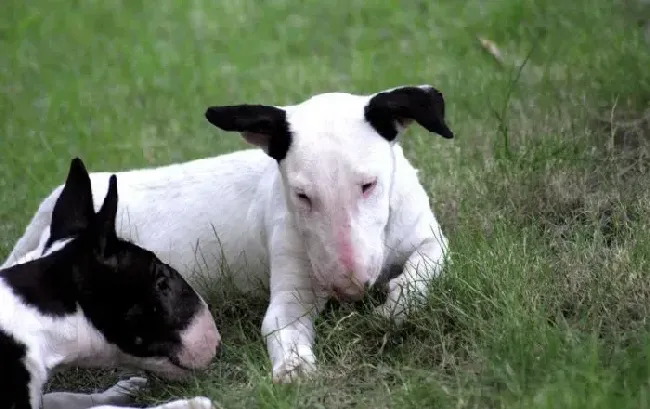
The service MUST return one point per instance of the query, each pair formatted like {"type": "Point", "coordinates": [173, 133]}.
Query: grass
{"type": "Point", "coordinates": [545, 193]}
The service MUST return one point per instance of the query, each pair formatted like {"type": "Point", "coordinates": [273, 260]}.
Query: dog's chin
{"type": "Point", "coordinates": [347, 296]}
{"type": "Point", "coordinates": [179, 365]}
{"type": "Point", "coordinates": [172, 373]}
{"type": "Point", "coordinates": [342, 295]}
{"type": "Point", "coordinates": [166, 368]}
{"type": "Point", "coordinates": [347, 299]}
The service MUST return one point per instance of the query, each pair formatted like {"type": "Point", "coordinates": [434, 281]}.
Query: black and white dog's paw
{"type": "Point", "coordinates": [198, 402]}
{"type": "Point", "coordinates": [122, 393]}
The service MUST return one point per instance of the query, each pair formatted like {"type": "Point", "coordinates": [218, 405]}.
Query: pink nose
{"type": "Point", "coordinates": [201, 341]}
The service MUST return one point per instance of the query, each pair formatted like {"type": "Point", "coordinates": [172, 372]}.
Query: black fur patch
{"type": "Point", "coordinates": [265, 120]}
{"type": "Point", "coordinates": [14, 377]}
{"type": "Point", "coordinates": [426, 106]}
{"type": "Point", "coordinates": [74, 206]}
{"type": "Point", "coordinates": [46, 284]}
{"type": "Point", "coordinates": [138, 302]}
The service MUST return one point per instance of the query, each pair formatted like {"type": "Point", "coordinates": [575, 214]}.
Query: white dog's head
{"type": "Point", "coordinates": [335, 155]}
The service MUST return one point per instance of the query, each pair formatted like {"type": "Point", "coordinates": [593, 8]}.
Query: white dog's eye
{"type": "Point", "coordinates": [367, 187]}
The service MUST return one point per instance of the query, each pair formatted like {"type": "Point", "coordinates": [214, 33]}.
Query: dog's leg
{"type": "Point", "coordinates": [199, 402]}
{"type": "Point", "coordinates": [288, 324]}
{"type": "Point", "coordinates": [120, 394]}
{"type": "Point", "coordinates": [411, 287]}
{"type": "Point", "coordinates": [289, 332]}
{"type": "Point", "coordinates": [116, 397]}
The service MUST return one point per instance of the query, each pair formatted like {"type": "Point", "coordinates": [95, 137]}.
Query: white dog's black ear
{"type": "Point", "coordinates": [261, 125]}
{"type": "Point", "coordinates": [393, 110]}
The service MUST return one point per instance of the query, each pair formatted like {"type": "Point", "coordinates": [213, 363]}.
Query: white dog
{"type": "Point", "coordinates": [325, 207]}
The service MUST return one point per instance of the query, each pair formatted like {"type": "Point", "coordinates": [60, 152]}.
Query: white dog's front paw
{"type": "Point", "coordinates": [199, 402]}
{"type": "Point", "coordinates": [392, 310]}
{"type": "Point", "coordinates": [293, 367]}
{"type": "Point", "coordinates": [395, 307]}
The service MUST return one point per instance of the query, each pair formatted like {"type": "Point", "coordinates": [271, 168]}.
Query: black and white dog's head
{"type": "Point", "coordinates": [97, 300]}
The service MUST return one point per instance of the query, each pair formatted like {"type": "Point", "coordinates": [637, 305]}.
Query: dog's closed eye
{"type": "Point", "coordinates": [304, 198]}
{"type": "Point", "coordinates": [367, 188]}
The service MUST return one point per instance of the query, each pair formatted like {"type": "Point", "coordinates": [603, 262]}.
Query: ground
{"type": "Point", "coordinates": [544, 193]}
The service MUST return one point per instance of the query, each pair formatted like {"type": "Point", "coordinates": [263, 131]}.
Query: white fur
{"type": "Point", "coordinates": [199, 402]}
{"type": "Point", "coordinates": [241, 209]}
{"type": "Point", "coordinates": [39, 252]}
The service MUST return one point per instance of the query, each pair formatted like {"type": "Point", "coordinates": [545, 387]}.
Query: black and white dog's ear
{"type": "Point", "coordinates": [264, 126]}
{"type": "Point", "coordinates": [105, 218]}
{"type": "Point", "coordinates": [73, 211]}
{"type": "Point", "coordinates": [392, 111]}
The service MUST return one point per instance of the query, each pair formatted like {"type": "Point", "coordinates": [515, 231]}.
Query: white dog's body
{"type": "Point", "coordinates": [187, 216]}
{"type": "Point", "coordinates": [238, 212]}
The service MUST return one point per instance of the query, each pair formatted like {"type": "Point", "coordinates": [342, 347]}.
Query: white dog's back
{"type": "Point", "coordinates": [229, 186]}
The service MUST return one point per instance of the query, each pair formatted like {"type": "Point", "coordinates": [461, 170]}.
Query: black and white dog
{"type": "Point", "coordinates": [88, 298]}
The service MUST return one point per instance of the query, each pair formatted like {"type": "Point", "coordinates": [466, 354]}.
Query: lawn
{"type": "Point", "coordinates": [544, 194]}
